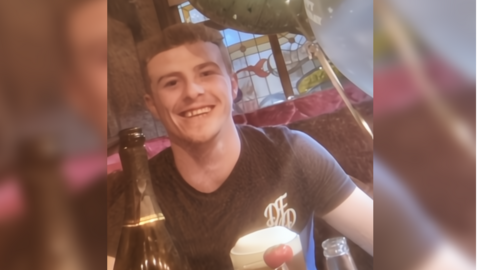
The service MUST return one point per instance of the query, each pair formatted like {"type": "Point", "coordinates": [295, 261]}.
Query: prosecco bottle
{"type": "Point", "coordinates": [145, 243]}
{"type": "Point", "coordinates": [337, 253]}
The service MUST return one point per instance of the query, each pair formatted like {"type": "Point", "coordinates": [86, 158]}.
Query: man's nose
{"type": "Point", "coordinates": [193, 90]}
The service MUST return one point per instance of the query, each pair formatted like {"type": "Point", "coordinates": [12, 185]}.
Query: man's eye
{"type": "Point", "coordinates": [206, 73]}
{"type": "Point", "coordinates": [170, 84]}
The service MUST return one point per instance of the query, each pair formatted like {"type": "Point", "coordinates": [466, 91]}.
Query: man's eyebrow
{"type": "Point", "coordinates": [206, 64]}
{"type": "Point", "coordinates": [171, 74]}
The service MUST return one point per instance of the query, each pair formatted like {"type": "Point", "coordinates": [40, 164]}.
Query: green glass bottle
{"type": "Point", "coordinates": [145, 242]}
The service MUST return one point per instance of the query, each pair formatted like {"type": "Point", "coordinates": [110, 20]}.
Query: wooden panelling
{"type": "Point", "coordinates": [125, 84]}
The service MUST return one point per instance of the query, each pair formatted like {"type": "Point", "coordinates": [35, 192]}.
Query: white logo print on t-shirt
{"type": "Point", "coordinates": [279, 215]}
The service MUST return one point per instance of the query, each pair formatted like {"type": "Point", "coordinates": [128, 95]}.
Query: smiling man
{"type": "Point", "coordinates": [220, 181]}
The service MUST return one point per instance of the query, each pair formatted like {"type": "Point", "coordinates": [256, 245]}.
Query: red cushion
{"type": "Point", "coordinates": [316, 104]}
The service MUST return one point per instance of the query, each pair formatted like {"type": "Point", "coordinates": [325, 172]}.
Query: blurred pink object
{"type": "Point", "coordinates": [395, 89]}
{"type": "Point", "coordinates": [10, 200]}
{"type": "Point", "coordinates": [83, 170]}
{"type": "Point", "coordinates": [79, 171]}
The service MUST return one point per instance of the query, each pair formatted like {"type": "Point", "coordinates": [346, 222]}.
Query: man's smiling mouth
{"type": "Point", "coordinates": [196, 112]}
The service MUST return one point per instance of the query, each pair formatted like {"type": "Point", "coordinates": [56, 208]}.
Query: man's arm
{"type": "Point", "coordinates": [334, 195]}
{"type": "Point", "coordinates": [354, 219]}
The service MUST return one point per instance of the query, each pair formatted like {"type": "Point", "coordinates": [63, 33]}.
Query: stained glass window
{"type": "Point", "coordinates": [189, 14]}
{"type": "Point", "coordinates": [253, 61]}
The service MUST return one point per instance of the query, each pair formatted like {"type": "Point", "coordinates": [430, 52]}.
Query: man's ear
{"type": "Point", "coordinates": [150, 103]}
{"type": "Point", "coordinates": [234, 82]}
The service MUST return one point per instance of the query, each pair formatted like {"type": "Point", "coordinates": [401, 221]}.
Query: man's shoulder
{"type": "Point", "coordinates": [273, 133]}
{"type": "Point", "coordinates": [290, 142]}
{"type": "Point", "coordinates": [281, 136]}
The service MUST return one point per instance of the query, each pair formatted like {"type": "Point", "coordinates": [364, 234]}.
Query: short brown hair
{"type": "Point", "coordinates": [178, 35]}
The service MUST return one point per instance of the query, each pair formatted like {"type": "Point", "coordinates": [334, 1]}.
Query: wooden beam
{"type": "Point", "coordinates": [175, 14]}
{"type": "Point", "coordinates": [281, 67]}
{"type": "Point", "coordinates": [167, 15]}
{"type": "Point", "coordinates": [176, 2]}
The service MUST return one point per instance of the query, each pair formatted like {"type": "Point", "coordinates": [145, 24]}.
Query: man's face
{"type": "Point", "coordinates": [191, 91]}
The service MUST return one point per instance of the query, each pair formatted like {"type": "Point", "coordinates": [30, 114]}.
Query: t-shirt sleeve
{"type": "Point", "coordinates": [326, 183]}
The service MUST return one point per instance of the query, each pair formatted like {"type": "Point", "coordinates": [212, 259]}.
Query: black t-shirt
{"type": "Point", "coordinates": [281, 178]}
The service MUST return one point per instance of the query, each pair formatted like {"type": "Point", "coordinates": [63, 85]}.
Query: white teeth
{"type": "Point", "coordinates": [198, 111]}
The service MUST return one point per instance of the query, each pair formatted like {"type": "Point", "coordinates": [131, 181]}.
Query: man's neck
{"type": "Point", "coordinates": [206, 166]}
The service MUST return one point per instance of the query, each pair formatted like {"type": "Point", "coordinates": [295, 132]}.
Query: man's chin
{"type": "Point", "coordinates": [197, 137]}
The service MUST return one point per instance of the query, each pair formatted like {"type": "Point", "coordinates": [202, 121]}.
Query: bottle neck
{"type": "Point", "coordinates": [334, 247]}
{"type": "Point", "coordinates": [337, 254]}
{"type": "Point", "coordinates": [141, 204]}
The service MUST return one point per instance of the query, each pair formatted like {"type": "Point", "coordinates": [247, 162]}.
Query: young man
{"type": "Point", "coordinates": [218, 181]}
